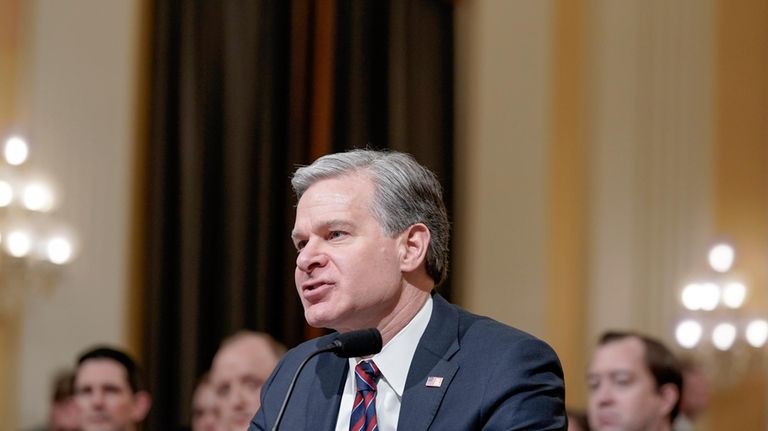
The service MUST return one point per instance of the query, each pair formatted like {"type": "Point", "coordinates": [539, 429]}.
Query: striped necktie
{"type": "Point", "coordinates": [364, 409]}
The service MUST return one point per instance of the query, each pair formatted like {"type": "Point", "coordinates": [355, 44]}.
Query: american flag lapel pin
{"type": "Point", "coordinates": [434, 382]}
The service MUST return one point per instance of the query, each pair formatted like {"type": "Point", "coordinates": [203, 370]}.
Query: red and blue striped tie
{"type": "Point", "coordinates": [364, 410]}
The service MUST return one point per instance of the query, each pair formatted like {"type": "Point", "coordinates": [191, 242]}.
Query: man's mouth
{"type": "Point", "coordinates": [315, 290]}
{"type": "Point", "coordinates": [99, 418]}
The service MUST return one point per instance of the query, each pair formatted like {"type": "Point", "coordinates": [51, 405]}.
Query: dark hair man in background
{"type": "Point", "coordinates": [634, 384]}
{"type": "Point", "coordinates": [109, 391]}
{"type": "Point", "coordinates": [372, 236]}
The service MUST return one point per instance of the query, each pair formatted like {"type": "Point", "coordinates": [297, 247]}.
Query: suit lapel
{"type": "Point", "coordinates": [430, 373]}
{"type": "Point", "coordinates": [330, 376]}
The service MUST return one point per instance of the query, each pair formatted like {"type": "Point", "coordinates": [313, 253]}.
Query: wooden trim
{"type": "Point", "coordinates": [321, 113]}
{"type": "Point", "coordinates": [139, 182]}
{"type": "Point", "coordinates": [10, 324]}
{"type": "Point", "coordinates": [741, 180]}
{"type": "Point", "coordinates": [567, 200]}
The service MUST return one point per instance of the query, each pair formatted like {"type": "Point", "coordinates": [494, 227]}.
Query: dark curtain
{"type": "Point", "coordinates": [241, 93]}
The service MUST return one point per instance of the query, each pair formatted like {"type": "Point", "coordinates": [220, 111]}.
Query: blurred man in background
{"type": "Point", "coordinates": [206, 415]}
{"type": "Point", "coordinates": [109, 391]}
{"type": "Point", "coordinates": [634, 384]}
{"type": "Point", "coordinates": [577, 420]}
{"type": "Point", "coordinates": [64, 414]}
{"type": "Point", "coordinates": [241, 366]}
{"type": "Point", "coordinates": [696, 395]}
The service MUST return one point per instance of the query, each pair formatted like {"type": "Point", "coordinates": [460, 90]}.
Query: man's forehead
{"type": "Point", "coordinates": [249, 352]}
{"type": "Point", "coordinates": [338, 190]}
{"type": "Point", "coordinates": [101, 370]}
{"type": "Point", "coordinates": [626, 354]}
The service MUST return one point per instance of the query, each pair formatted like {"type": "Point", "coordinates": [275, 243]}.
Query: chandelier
{"type": "Point", "coordinates": [34, 245]}
{"type": "Point", "coordinates": [716, 325]}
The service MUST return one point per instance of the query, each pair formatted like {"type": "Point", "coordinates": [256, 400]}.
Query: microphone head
{"type": "Point", "coordinates": [355, 344]}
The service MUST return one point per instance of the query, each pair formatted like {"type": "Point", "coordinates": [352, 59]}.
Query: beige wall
{"type": "Point", "coordinates": [503, 61]}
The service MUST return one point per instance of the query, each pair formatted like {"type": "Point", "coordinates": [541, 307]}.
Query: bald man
{"type": "Point", "coordinates": [241, 366]}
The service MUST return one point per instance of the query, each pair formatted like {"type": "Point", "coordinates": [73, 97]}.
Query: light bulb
{"type": "Point", "coordinates": [688, 333]}
{"type": "Point", "coordinates": [721, 257]}
{"type": "Point", "coordinates": [723, 336]}
{"type": "Point", "coordinates": [691, 296]}
{"type": "Point", "coordinates": [37, 197]}
{"type": "Point", "coordinates": [734, 295]}
{"type": "Point", "coordinates": [16, 150]}
{"type": "Point", "coordinates": [59, 250]}
{"type": "Point", "coordinates": [710, 296]}
{"type": "Point", "coordinates": [18, 243]}
{"type": "Point", "coordinates": [757, 333]}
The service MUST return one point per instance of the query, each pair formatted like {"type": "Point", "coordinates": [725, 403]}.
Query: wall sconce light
{"type": "Point", "coordinates": [33, 244]}
{"type": "Point", "coordinates": [715, 325]}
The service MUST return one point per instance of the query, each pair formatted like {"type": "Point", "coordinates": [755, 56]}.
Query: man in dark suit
{"type": "Point", "coordinates": [371, 234]}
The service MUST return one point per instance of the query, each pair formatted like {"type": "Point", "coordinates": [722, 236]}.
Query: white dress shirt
{"type": "Point", "coordinates": [393, 361]}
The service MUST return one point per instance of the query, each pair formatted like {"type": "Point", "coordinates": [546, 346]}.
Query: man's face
{"type": "Point", "coordinates": [65, 415]}
{"type": "Point", "coordinates": [696, 392]}
{"type": "Point", "coordinates": [622, 392]}
{"type": "Point", "coordinates": [205, 409]}
{"type": "Point", "coordinates": [239, 371]}
{"type": "Point", "coordinates": [347, 270]}
{"type": "Point", "coordinates": [105, 398]}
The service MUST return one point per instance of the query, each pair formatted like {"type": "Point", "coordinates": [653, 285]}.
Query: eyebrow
{"type": "Point", "coordinates": [611, 373]}
{"type": "Point", "coordinates": [333, 224]}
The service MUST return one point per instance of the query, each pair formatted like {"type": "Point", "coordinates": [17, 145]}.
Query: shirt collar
{"type": "Point", "coordinates": [395, 358]}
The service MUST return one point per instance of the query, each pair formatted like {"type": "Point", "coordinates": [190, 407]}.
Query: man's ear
{"type": "Point", "coordinates": [142, 401]}
{"type": "Point", "coordinates": [415, 242]}
{"type": "Point", "coordinates": [669, 397]}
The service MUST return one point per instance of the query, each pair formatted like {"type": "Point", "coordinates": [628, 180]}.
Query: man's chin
{"type": "Point", "coordinates": [240, 423]}
{"type": "Point", "coordinates": [98, 425]}
{"type": "Point", "coordinates": [317, 319]}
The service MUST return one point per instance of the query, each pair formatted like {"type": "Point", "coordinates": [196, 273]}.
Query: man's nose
{"type": "Point", "coordinates": [239, 400]}
{"type": "Point", "coordinates": [604, 395]}
{"type": "Point", "coordinates": [310, 257]}
{"type": "Point", "coordinates": [97, 399]}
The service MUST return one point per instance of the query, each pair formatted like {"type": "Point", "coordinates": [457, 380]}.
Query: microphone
{"type": "Point", "coordinates": [356, 343]}
{"type": "Point", "coordinates": [363, 342]}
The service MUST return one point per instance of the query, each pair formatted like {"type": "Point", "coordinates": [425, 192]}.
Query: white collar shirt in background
{"type": "Point", "coordinates": [393, 361]}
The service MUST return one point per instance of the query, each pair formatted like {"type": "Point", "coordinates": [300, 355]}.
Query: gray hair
{"type": "Point", "coordinates": [405, 193]}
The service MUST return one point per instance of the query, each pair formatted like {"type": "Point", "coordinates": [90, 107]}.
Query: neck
{"type": "Point", "coordinates": [409, 305]}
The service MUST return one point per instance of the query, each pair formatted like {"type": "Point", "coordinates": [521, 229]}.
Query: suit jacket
{"type": "Point", "coordinates": [494, 378]}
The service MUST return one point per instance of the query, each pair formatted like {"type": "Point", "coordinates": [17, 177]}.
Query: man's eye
{"type": "Point", "coordinates": [335, 234]}
{"type": "Point", "coordinates": [300, 245]}
{"type": "Point", "coordinates": [623, 382]}
{"type": "Point", "coordinates": [592, 385]}
{"type": "Point", "coordinates": [252, 383]}
{"type": "Point", "coordinates": [112, 390]}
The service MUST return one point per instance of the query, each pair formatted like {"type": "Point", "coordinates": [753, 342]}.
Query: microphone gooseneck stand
{"type": "Point", "coordinates": [347, 345]}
